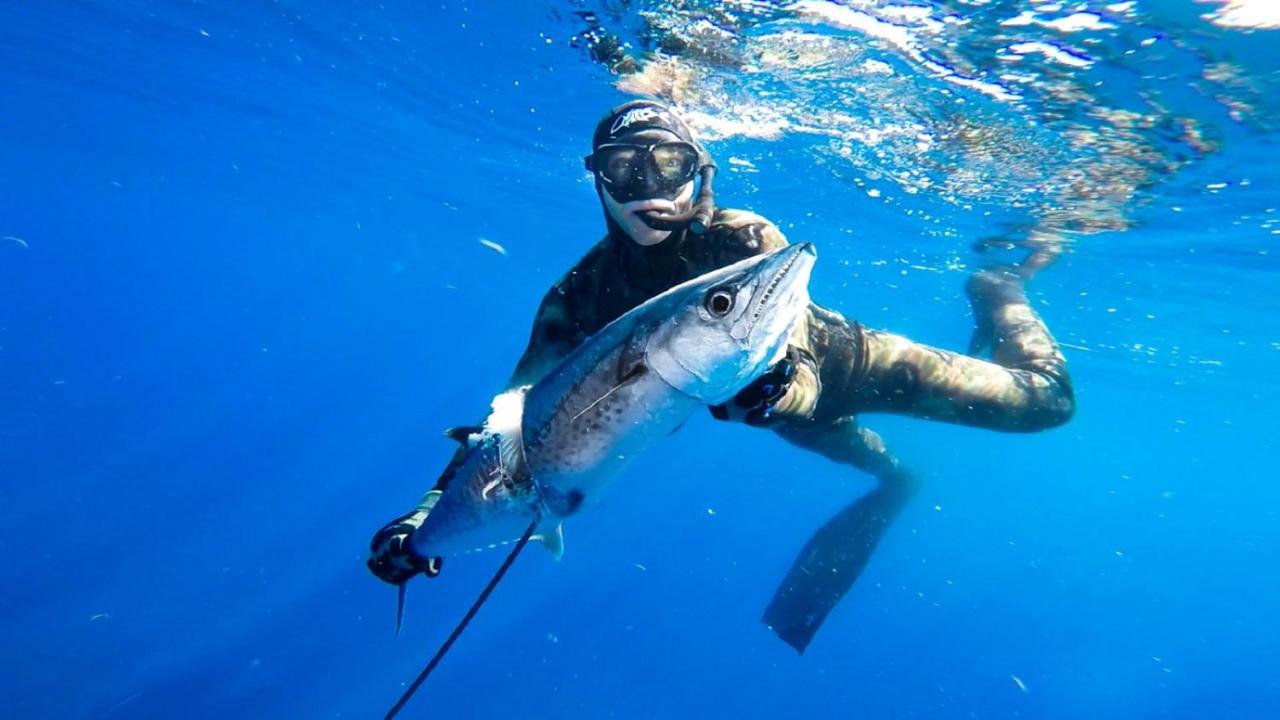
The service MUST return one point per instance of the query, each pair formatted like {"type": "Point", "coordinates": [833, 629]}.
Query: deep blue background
{"type": "Point", "coordinates": [253, 294]}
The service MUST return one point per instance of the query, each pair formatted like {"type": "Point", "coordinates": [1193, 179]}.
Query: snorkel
{"type": "Point", "coordinates": [696, 218]}
{"type": "Point", "coordinates": [618, 182]}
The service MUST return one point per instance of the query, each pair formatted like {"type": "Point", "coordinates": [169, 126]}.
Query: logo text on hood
{"type": "Point", "coordinates": [634, 115]}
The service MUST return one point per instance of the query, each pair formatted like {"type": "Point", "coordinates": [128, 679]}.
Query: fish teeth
{"type": "Point", "coordinates": [768, 292]}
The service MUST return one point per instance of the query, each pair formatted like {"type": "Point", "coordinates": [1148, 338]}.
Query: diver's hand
{"type": "Point", "coordinates": [755, 403]}
{"type": "Point", "coordinates": [392, 559]}
{"type": "Point", "coordinates": [989, 290]}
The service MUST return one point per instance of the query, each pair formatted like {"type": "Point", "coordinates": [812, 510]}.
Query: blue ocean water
{"type": "Point", "coordinates": [243, 289]}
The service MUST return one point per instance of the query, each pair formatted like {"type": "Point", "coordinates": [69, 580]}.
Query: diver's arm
{"type": "Point", "coordinates": [1025, 389]}
{"type": "Point", "coordinates": [564, 320]}
{"type": "Point", "coordinates": [555, 334]}
{"type": "Point", "coordinates": [739, 234]}
{"type": "Point", "coordinates": [801, 397]}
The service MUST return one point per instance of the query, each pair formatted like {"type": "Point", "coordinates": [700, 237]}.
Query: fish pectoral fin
{"type": "Point", "coordinates": [552, 540]}
{"type": "Point", "coordinates": [461, 434]}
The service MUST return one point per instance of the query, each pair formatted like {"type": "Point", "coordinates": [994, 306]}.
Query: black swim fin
{"type": "Point", "coordinates": [828, 566]}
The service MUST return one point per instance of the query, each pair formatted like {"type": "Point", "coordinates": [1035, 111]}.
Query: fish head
{"type": "Point", "coordinates": [720, 331]}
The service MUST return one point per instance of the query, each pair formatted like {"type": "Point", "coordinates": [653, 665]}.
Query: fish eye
{"type": "Point", "coordinates": [719, 301]}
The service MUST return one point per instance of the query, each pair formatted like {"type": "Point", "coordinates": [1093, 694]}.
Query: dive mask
{"type": "Point", "coordinates": [634, 172]}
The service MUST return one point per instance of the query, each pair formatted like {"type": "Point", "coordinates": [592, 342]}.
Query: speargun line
{"type": "Point", "coordinates": [466, 619]}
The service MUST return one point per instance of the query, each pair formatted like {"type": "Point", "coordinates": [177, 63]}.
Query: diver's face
{"type": "Point", "coordinates": [656, 198]}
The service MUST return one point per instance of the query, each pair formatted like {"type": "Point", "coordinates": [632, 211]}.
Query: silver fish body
{"type": "Point", "coordinates": [548, 449]}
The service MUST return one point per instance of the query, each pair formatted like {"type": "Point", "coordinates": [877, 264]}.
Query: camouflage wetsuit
{"type": "Point", "coordinates": [853, 370]}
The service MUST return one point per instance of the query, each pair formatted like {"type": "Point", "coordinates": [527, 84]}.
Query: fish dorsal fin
{"type": "Point", "coordinates": [462, 434]}
{"type": "Point", "coordinates": [552, 540]}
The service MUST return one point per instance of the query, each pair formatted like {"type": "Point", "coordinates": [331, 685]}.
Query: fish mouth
{"type": "Point", "coordinates": [789, 258]}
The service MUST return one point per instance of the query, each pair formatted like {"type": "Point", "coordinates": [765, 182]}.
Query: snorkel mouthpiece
{"type": "Point", "coordinates": [696, 218]}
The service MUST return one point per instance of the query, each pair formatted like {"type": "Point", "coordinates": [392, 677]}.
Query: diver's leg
{"type": "Point", "coordinates": [836, 554]}
{"type": "Point", "coordinates": [1044, 244]}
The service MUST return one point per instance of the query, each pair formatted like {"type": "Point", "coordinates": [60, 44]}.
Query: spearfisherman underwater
{"type": "Point", "coordinates": [314, 355]}
{"type": "Point", "coordinates": [646, 162]}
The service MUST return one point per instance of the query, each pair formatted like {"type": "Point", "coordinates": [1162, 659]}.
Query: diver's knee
{"type": "Point", "coordinates": [1054, 412]}
{"type": "Point", "coordinates": [1066, 409]}
{"type": "Point", "coordinates": [900, 483]}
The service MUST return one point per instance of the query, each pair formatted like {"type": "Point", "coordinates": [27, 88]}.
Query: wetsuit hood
{"type": "Point", "coordinates": [632, 117]}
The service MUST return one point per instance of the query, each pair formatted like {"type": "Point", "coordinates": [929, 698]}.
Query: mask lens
{"type": "Point", "coordinates": [619, 163]}
{"type": "Point", "coordinates": [633, 172]}
{"type": "Point", "coordinates": [675, 162]}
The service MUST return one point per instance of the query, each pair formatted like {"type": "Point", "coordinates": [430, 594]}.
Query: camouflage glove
{"type": "Point", "coordinates": [755, 403]}
{"type": "Point", "coordinates": [989, 290]}
{"type": "Point", "coordinates": [391, 558]}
